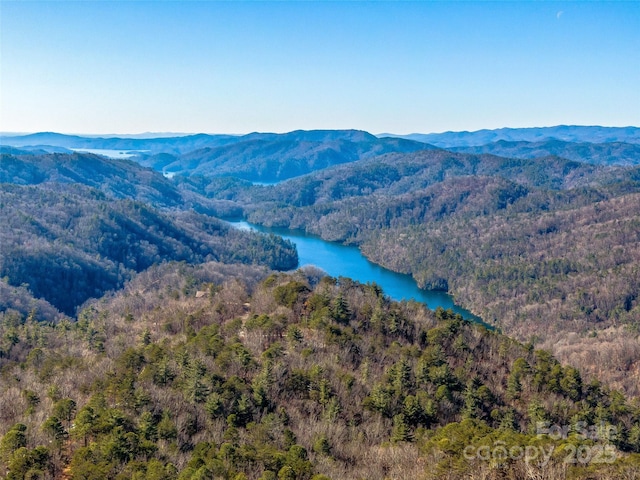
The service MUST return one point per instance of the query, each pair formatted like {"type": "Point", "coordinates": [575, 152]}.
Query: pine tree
{"type": "Point", "coordinates": [400, 432]}
{"type": "Point", "coordinates": [340, 310]}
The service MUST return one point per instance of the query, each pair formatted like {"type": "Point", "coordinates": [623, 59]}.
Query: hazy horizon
{"type": "Point", "coordinates": [148, 135]}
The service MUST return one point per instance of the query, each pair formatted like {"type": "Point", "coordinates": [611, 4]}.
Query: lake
{"type": "Point", "coordinates": [117, 154]}
{"type": "Point", "coordinates": [347, 261]}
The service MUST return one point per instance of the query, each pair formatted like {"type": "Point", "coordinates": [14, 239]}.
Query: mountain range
{"type": "Point", "coordinates": [612, 153]}
{"type": "Point", "coordinates": [567, 133]}
{"type": "Point", "coordinates": [143, 337]}
{"type": "Point", "coordinates": [271, 157]}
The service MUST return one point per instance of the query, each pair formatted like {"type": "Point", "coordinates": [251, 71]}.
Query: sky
{"type": "Point", "coordinates": [106, 67]}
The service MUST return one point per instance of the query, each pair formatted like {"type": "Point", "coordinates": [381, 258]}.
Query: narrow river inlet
{"type": "Point", "coordinates": [340, 260]}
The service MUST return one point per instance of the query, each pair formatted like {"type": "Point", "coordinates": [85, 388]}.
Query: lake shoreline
{"type": "Point", "coordinates": [338, 260]}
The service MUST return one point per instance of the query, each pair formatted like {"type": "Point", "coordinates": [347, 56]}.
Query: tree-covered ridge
{"type": "Point", "coordinates": [546, 248]}
{"type": "Point", "coordinates": [188, 143]}
{"type": "Point", "coordinates": [20, 299]}
{"type": "Point", "coordinates": [153, 144]}
{"type": "Point", "coordinates": [566, 133]}
{"type": "Point", "coordinates": [173, 144]}
{"type": "Point", "coordinates": [256, 156]}
{"type": "Point", "coordinates": [566, 279]}
{"type": "Point", "coordinates": [279, 157]}
{"type": "Point", "coordinates": [613, 153]}
{"type": "Point", "coordinates": [68, 243]}
{"type": "Point", "coordinates": [352, 201]}
{"type": "Point", "coordinates": [218, 372]}
{"type": "Point", "coordinates": [117, 178]}
{"type": "Point", "coordinates": [397, 174]}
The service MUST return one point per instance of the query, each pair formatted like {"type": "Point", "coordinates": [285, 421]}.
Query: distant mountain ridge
{"type": "Point", "coordinates": [180, 143]}
{"type": "Point", "coordinates": [173, 144]}
{"type": "Point", "coordinates": [613, 153]}
{"type": "Point", "coordinates": [273, 157]}
{"type": "Point", "coordinates": [176, 145]}
{"type": "Point", "coordinates": [567, 133]}
{"type": "Point", "coordinates": [255, 156]}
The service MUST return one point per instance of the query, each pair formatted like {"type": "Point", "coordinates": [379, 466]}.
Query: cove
{"type": "Point", "coordinates": [347, 261]}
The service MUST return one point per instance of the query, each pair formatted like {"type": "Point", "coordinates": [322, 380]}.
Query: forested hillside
{"type": "Point", "coordinates": [546, 248]}
{"type": "Point", "coordinates": [615, 153]}
{"type": "Point", "coordinates": [74, 226]}
{"type": "Point", "coordinates": [567, 133]}
{"type": "Point", "coordinates": [269, 158]}
{"type": "Point", "coordinates": [396, 174]}
{"type": "Point", "coordinates": [220, 372]}
{"type": "Point", "coordinates": [117, 178]}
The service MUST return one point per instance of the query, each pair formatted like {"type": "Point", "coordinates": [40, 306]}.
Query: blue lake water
{"type": "Point", "coordinates": [347, 261]}
{"type": "Point", "coordinates": [107, 153]}
{"type": "Point", "coordinates": [265, 184]}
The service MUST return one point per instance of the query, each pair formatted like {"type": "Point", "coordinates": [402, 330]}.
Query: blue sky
{"type": "Point", "coordinates": [237, 67]}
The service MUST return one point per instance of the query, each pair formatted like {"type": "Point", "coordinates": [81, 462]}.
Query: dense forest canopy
{"type": "Point", "coordinates": [217, 371]}
{"type": "Point", "coordinates": [67, 242]}
{"type": "Point", "coordinates": [612, 153]}
{"type": "Point", "coordinates": [547, 248]}
{"type": "Point", "coordinates": [564, 133]}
